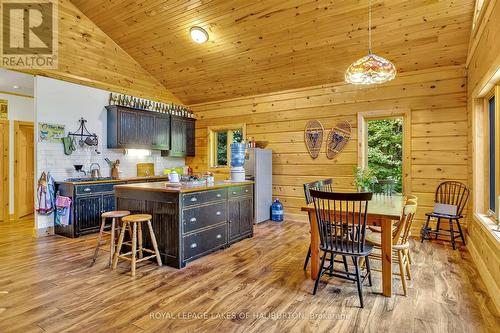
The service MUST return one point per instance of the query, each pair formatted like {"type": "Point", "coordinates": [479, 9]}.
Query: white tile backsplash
{"type": "Point", "coordinates": [51, 158]}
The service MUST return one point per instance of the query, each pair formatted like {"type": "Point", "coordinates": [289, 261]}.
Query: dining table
{"type": "Point", "coordinates": [382, 211]}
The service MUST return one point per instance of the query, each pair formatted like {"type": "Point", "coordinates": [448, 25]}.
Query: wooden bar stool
{"type": "Point", "coordinates": [114, 216]}
{"type": "Point", "coordinates": [136, 241]}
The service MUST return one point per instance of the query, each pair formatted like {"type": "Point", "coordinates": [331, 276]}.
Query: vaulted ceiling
{"type": "Point", "coordinates": [271, 45]}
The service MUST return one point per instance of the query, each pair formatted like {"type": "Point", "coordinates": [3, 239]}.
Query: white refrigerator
{"type": "Point", "coordinates": [259, 168]}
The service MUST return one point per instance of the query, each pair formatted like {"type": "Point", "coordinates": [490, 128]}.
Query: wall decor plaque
{"type": "Point", "coordinates": [313, 137]}
{"type": "Point", "coordinates": [4, 112]}
{"type": "Point", "coordinates": [337, 139]}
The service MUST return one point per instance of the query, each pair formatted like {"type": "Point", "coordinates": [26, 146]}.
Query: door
{"type": "Point", "coordinates": [4, 170]}
{"type": "Point", "coordinates": [246, 215]}
{"type": "Point", "coordinates": [234, 219]}
{"type": "Point", "coordinates": [145, 130]}
{"type": "Point", "coordinates": [88, 213]}
{"type": "Point", "coordinates": [178, 143]}
{"type": "Point", "coordinates": [162, 133]}
{"type": "Point", "coordinates": [190, 138]}
{"type": "Point", "coordinates": [127, 127]}
{"type": "Point", "coordinates": [108, 203]}
{"type": "Point", "coordinates": [24, 171]}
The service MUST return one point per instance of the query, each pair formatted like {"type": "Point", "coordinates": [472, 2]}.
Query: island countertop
{"type": "Point", "coordinates": [180, 187]}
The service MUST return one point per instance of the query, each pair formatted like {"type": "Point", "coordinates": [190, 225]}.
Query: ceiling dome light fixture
{"type": "Point", "coordinates": [199, 35]}
{"type": "Point", "coordinates": [371, 69]}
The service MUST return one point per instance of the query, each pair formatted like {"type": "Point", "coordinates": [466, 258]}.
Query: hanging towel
{"type": "Point", "coordinates": [46, 194]}
{"type": "Point", "coordinates": [63, 210]}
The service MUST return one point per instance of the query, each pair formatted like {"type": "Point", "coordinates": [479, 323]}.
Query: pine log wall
{"type": "Point", "coordinates": [438, 104]}
{"type": "Point", "coordinates": [484, 60]}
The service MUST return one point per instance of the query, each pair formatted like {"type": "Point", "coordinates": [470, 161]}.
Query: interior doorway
{"type": "Point", "coordinates": [4, 170]}
{"type": "Point", "coordinates": [24, 169]}
{"type": "Point", "coordinates": [384, 141]}
{"type": "Point", "coordinates": [385, 153]}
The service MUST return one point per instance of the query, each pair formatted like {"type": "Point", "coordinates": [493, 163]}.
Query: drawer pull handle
{"type": "Point", "coordinates": [219, 195]}
{"type": "Point", "coordinates": [193, 219]}
{"type": "Point", "coordinates": [87, 189]}
{"type": "Point", "coordinates": [193, 199]}
{"type": "Point", "coordinates": [218, 213]}
{"type": "Point", "coordinates": [193, 245]}
{"type": "Point", "coordinates": [219, 236]}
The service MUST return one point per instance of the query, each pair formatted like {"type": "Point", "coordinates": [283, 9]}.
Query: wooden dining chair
{"type": "Point", "coordinates": [400, 242]}
{"type": "Point", "coordinates": [321, 185]}
{"type": "Point", "coordinates": [341, 219]}
{"type": "Point", "coordinates": [384, 187]}
{"type": "Point", "coordinates": [450, 200]}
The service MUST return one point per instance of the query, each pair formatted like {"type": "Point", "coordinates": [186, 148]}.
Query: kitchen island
{"type": "Point", "coordinates": [189, 220]}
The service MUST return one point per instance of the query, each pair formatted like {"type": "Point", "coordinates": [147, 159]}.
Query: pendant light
{"type": "Point", "coordinates": [371, 69]}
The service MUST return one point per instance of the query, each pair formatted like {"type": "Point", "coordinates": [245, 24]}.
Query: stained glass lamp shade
{"type": "Point", "coordinates": [370, 69]}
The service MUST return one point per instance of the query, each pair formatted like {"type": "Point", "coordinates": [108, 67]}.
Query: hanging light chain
{"type": "Point", "coordinates": [369, 26]}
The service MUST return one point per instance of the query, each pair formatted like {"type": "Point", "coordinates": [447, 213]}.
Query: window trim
{"type": "Point", "coordinates": [212, 141]}
{"type": "Point", "coordinates": [364, 117]}
{"type": "Point", "coordinates": [485, 209]}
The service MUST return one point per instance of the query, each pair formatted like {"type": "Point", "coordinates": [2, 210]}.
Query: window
{"type": "Point", "coordinates": [492, 154]}
{"type": "Point", "coordinates": [220, 139]}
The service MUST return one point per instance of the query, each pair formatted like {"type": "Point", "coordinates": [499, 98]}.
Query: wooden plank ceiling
{"type": "Point", "coordinates": [272, 45]}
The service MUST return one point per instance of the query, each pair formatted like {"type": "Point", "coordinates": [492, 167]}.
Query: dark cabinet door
{"type": "Point", "coordinates": [190, 137]}
{"type": "Point", "coordinates": [108, 203]}
{"type": "Point", "coordinates": [145, 130]}
{"type": "Point", "coordinates": [178, 137]}
{"type": "Point", "coordinates": [127, 127]}
{"type": "Point", "coordinates": [246, 215]}
{"type": "Point", "coordinates": [234, 219]}
{"type": "Point", "coordinates": [88, 213]}
{"type": "Point", "coordinates": [162, 133]}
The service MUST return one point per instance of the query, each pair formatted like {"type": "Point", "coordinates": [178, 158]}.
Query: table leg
{"type": "Point", "coordinates": [314, 246]}
{"type": "Point", "coordinates": [386, 226]}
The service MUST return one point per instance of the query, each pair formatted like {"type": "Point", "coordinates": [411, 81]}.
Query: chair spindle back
{"type": "Point", "coordinates": [320, 185]}
{"type": "Point", "coordinates": [453, 193]}
{"type": "Point", "coordinates": [341, 219]}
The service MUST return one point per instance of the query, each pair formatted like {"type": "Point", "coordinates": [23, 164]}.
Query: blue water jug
{"type": "Point", "coordinates": [237, 154]}
{"type": "Point", "coordinates": [277, 211]}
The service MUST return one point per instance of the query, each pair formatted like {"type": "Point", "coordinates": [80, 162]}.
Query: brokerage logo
{"type": "Point", "coordinates": [29, 34]}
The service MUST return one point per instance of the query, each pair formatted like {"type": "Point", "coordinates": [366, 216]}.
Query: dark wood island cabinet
{"type": "Point", "coordinates": [191, 221]}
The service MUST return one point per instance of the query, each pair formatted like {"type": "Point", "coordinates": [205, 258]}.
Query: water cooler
{"type": "Point", "coordinates": [237, 162]}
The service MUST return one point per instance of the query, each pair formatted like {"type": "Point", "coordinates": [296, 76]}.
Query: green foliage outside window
{"type": "Point", "coordinates": [222, 148]}
{"type": "Point", "coordinates": [385, 150]}
{"type": "Point", "coordinates": [223, 144]}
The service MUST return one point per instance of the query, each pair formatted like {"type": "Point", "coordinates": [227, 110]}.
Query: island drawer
{"type": "Point", "coordinates": [202, 197]}
{"type": "Point", "coordinates": [205, 241]}
{"type": "Point", "coordinates": [239, 191]}
{"type": "Point", "coordinates": [200, 217]}
{"type": "Point", "coordinates": [95, 188]}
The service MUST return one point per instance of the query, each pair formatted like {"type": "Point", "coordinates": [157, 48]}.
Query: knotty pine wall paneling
{"type": "Point", "coordinates": [436, 98]}
{"type": "Point", "coordinates": [483, 62]}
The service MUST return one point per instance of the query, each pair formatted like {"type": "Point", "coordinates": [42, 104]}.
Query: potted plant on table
{"type": "Point", "coordinates": [364, 178]}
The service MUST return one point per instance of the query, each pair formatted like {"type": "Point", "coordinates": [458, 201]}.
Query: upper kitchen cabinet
{"type": "Point", "coordinates": [182, 137]}
{"type": "Point", "coordinates": [133, 128]}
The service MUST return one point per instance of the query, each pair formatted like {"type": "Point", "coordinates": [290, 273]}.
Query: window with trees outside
{"type": "Point", "coordinates": [220, 139]}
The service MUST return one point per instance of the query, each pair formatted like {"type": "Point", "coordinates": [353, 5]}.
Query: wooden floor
{"type": "Point", "coordinates": [46, 285]}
